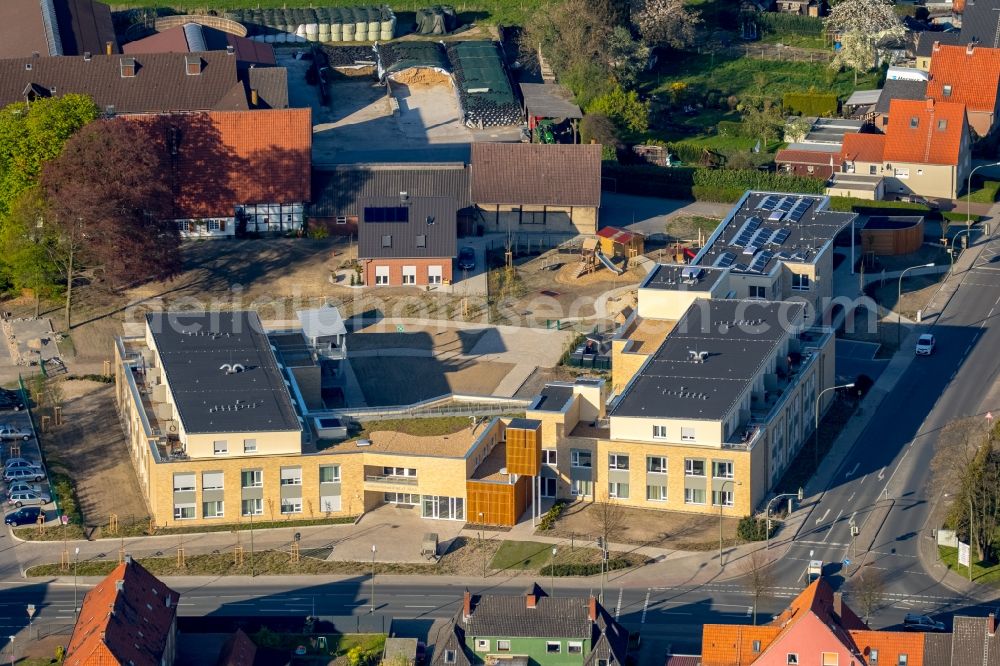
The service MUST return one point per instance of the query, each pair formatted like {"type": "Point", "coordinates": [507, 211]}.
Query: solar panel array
{"type": "Point", "coordinates": [725, 260]}
{"type": "Point", "coordinates": [747, 231]}
{"type": "Point", "coordinates": [799, 210]}
{"type": "Point", "coordinates": [760, 261]}
{"type": "Point", "coordinates": [768, 202]}
{"type": "Point", "coordinates": [780, 236]}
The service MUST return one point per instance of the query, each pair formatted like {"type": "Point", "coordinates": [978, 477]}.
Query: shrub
{"type": "Point", "coordinates": [318, 232]}
{"type": "Point", "coordinates": [753, 179]}
{"type": "Point", "coordinates": [869, 207]}
{"type": "Point", "coordinates": [751, 528]}
{"type": "Point", "coordinates": [650, 181]}
{"type": "Point", "coordinates": [548, 521]}
{"type": "Point", "coordinates": [810, 104]}
{"type": "Point", "coordinates": [776, 22]}
{"type": "Point", "coordinates": [598, 127]}
{"type": "Point", "coordinates": [625, 109]}
{"type": "Point", "coordinates": [730, 128]}
{"type": "Point", "coordinates": [579, 569]}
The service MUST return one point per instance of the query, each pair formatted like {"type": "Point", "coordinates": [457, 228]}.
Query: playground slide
{"type": "Point", "coordinates": [609, 264]}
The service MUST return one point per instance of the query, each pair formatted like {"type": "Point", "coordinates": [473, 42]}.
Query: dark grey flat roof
{"type": "Point", "coordinates": [194, 347]}
{"type": "Point", "coordinates": [899, 89]}
{"type": "Point", "coordinates": [767, 228]}
{"type": "Point", "coordinates": [428, 230]}
{"type": "Point", "coordinates": [549, 100]}
{"type": "Point", "coordinates": [525, 424]}
{"type": "Point", "coordinates": [735, 338]}
{"type": "Point", "coordinates": [676, 277]}
{"type": "Point", "coordinates": [554, 397]}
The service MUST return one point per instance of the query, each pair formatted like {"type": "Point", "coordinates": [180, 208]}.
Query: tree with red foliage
{"type": "Point", "coordinates": [109, 204]}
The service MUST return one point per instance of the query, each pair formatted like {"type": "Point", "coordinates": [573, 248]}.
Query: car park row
{"type": "Point", "coordinates": [26, 487]}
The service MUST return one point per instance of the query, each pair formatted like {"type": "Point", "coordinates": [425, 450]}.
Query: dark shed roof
{"type": "Point", "coordinates": [536, 174]}
{"type": "Point", "coordinates": [926, 39]}
{"type": "Point", "coordinates": [80, 26]}
{"type": "Point", "coordinates": [549, 100]}
{"type": "Point", "coordinates": [899, 89]}
{"type": "Point", "coordinates": [981, 23]}
{"type": "Point", "coordinates": [337, 191]}
{"type": "Point", "coordinates": [426, 228]}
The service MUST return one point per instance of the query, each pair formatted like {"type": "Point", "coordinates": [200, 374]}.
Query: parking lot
{"type": "Point", "coordinates": [28, 450]}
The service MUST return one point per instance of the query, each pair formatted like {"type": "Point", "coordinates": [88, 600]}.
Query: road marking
{"type": "Point", "coordinates": [862, 479]}
{"type": "Point", "coordinates": [749, 611]}
{"type": "Point", "coordinates": [829, 531]}
{"type": "Point", "coordinates": [618, 606]}
{"type": "Point", "coordinates": [853, 469]}
{"type": "Point", "coordinates": [823, 517]}
{"type": "Point", "coordinates": [419, 606]}
{"type": "Point", "coordinates": [645, 607]}
{"type": "Point", "coordinates": [851, 497]}
{"type": "Point", "coordinates": [881, 474]}
{"type": "Point", "coordinates": [817, 543]}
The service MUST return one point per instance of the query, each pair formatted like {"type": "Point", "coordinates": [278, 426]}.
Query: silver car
{"type": "Point", "coordinates": [8, 431]}
{"type": "Point", "coordinates": [19, 463]}
{"type": "Point", "coordinates": [28, 497]}
{"type": "Point", "coordinates": [23, 486]}
{"type": "Point", "coordinates": [24, 474]}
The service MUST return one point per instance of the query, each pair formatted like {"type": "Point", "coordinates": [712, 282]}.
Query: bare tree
{"type": "Point", "coordinates": [869, 590]}
{"type": "Point", "coordinates": [756, 571]}
{"type": "Point", "coordinates": [610, 518]}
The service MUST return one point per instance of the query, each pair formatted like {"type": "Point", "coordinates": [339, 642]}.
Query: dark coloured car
{"type": "Point", "coordinates": [917, 622]}
{"type": "Point", "coordinates": [467, 259]}
{"type": "Point", "coordinates": [10, 401]}
{"type": "Point", "coordinates": [24, 516]}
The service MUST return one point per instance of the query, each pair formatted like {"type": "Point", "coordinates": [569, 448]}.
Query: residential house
{"type": "Point", "coordinates": [197, 38]}
{"type": "Point", "coordinates": [527, 187]}
{"type": "Point", "coordinates": [814, 153]}
{"type": "Point", "coordinates": [816, 628]}
{"type": "Point", "coordinates": [904, 89]}
{"type": "Point", "coordinates": [926, 150]}
{"type": "Point", "coordinates": [30, 28]}
{"type": "Point", "coordinates": [534, 628]}
{"type": "Point", "coordinates": [407, 241]}
{"type": "Point", "coordinates": [968, 75]}
{"type": "Point", "coordinates": [128, 619]}
{"type": "Point", "coordinates": [928, 40]}
{"type": "Point", "coordinates": [979, 23]}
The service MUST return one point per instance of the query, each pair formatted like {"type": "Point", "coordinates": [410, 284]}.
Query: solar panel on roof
{"type": "Point", "coordinates": [769, 202]}
{"type": "Point", "coordinates": [784, 256]}
{"type": "Point", "coordinates": [780, 236]}
{"type": "Point", "coordinates": [725, 260]}
{"type": "Point", "coordinates": [786, 204]}
{"type": "Point", "coordinates": [750, 249]}
{"type": "Point", "coordinates": [760, 261]}
{"type": "Point", "coordinates": [740, 267]}
{"type": "Point", "coordinates": [760, 236]}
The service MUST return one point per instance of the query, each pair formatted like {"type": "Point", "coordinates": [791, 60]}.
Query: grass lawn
{"type": "Point", "coordinates": [988, 575]}
{"type": "Point", "coordinates": [796, 40]}
{"type": "Point", "coordinates": [336, 644]}
{"type": "Point", "coordinates": [522, 555]}
{"type": "Point", "coordinates": [985, 193]}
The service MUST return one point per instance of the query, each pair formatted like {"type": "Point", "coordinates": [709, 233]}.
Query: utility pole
{"type": "Point", "coordinates": [373, 579]}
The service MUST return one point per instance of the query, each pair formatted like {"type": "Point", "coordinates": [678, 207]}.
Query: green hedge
{"type": "Point", "coordinates": [754, 179]}
{"type": "Point", "coordinates": [725, 185]}
{"type": "Point", "coordinates": [810, 104]}
{"type": "Point", "coordinates": [776, 22]}
{"type": "Point", "coordinates": [650, 181]}
{"type": "Point", "coordinates": [751, 528]}
{"type": "Point", "coordinates": [548, 521]}
{"type": "Point", "coordinates": [583, 569]}
{"type": "Point", "coordinates": [869, 207]}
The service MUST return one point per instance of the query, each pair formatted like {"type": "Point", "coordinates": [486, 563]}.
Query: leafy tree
{"type": "Point", "coordinates": [627, 57]}
{"type": "Point", "coordinates": [625, 109]}
{"type": "Point", "coordinates": [598, 128]}
{"type": "Point", "coordinates": [108, 206]}
{"type": "Point", "coordinates": [667, 23]}
{"type": "Point", "coordinates": [976, 511]}
{"type": "Point", "coordinates": [27, 263]}
{"type": "Point", "coordinates": [796, 128]}
{"type": "Point", "coordinates": [766, 123]}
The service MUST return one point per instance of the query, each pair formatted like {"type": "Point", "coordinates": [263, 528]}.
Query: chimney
{"type": "Point", "coordinates": [838, 605]}
{"type": "Point", "coordinates": [937, 46]}
{"type": "Point", "coordinates": [991, 624]}
{"type": "Point", "coordinates": [168, 601]}
{"type": "Point", "coordinates": [467, 605]}
{"type": "Point", "coordinates": [230, 50]}
{"type": "Point", "coordinates": [592, 608]}
{"type": "Point", "coordinates": [254, 97]}
{"type": "Point", "coordinates": [102, 636]}
{"type": "Point", "coordinates": [531, 600]}
{"type": "Point", "coordinates": [930, 103]}
{"type": "Point", "coordinates": [970, 48]}
{"type": "Point", "coordinates": [87, 56]}
{"type": "Point", "coordinates": [107, 48]}
{"type": "Point", "coordinates": [120, 585]}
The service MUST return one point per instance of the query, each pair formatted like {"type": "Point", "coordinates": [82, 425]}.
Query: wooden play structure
{"type": "Point", "coordinates": [616, 242]}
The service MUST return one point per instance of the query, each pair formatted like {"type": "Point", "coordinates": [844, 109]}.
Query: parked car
{"type": "Point", "coordinates": [467, 259]}
{"type": "Point", "coordinates": [21, 463]}
{"type": "Point", "coordinates": [10, 402]}
{"type": "Point", "coordinates": [925, 345]}
{"type": "Point", "coordinates": [8, 431]}
{"type": "Point", "coordinates": [24, 497]}
{"type": "Point", "coordinates": [24, 474]}
{"type": "Point", "coordinates": [917, 199]}
{"type": "Point", "coordinates": [23, 486]}
{"type": "Point", "coordinates": [915, 622]}
{"type": "Point", "coordinates": [24, 516]}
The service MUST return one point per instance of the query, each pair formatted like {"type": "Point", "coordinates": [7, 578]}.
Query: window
{"type": "Point", "coordinates": [659, 432]}
{"type": "Point", "coordinates": [421, 240]}
{"type": "Point", "coordinates": [399, 471]}
{"type": "Point", "coordinates": [947, 91]}
{"type": "Point", "coordinates": [792, 659]}
{"type": "Point", "coordinates": [902, 659]}
{"type": "Point", "coordinates": [656, 493]}
{"type": "Point", "coordinates": [574, 647]}
{"type": "Point", "coordinates": [291, 505]}
{"type": "Point", "coordinates": [183, 482]}
{"type": "Point", "coordinates": [694, 495]}
{"type": "Point", "coordinates": [550, 457]}
{"type": "Point", "coordinates": [920, 172]}
{"type": "Point", "coordinates": [914, 122]}
{"type": "Point", "coordinates": [503, 646]}
{"type": "Point", "coordinates": [329, 473]}
{"type": "Point", "coordinates": [381, 275]}
{"type": "Point", "coordinates": [409, 274]}
{"type": "Point", "coordinates": [291, 476]}
{"type": "Point", "coordinates": [253, 507]}
{"type": "Point", "coordinates": [656, 464]}
{"type": "Point", "coordinates": [341, 219]}
{"type": "Point", "coordinates": [249, 446]}
{"type": "Point", "coordinates": [830, 659]}
{"type": "Point", "coordinates": [755, 646]}
{"type": "Point", "coordinates": [901, 173]}
{"type": "Point", "coordinates": [810, 169]}
{"type": "Point", "coordinates": [800, 282]}
{"type": "Point", "coordinates": [433, 275]}
{"type": "Point", "coordinates": [482, 645]}
{"type": "Point", "coordinates": [387, 240]}
{"type": "Point", "coordinates": [212, 509]}
{"type": "Point", "coordinates": [942, 124]}
{"type": "Point", "coordinates": [694, 467]}
{"type": "Point", "coordinates": [450, 657]}
{"type": "Point", "coordinates": [873, 658]}
{"type": "Point", "coordinates": [618, 490]}
{"type": "Point", "coordinates": [183, 511]}
{"type": "Point", "coordinates": [617, 461]}
{"type": "Point", "coordinates": [722, 497]}
{"type": "Point", "coordinates": [757, 291]}
{"type": "Point", "coordinates": [873, 170]}
{"type": "Point", "coordinates": [687, 434]}
{"type": "Point", "coordinates": [722, 469]}
{"type": "Point", "coordinates": [252, 478]}
{"type": "Point", "coordinates": [220, 447]}
{"type": "Point", "coordinates": [410, 499]}
{"type": "Point", "coordinates": [553, 647]}
{"type": "Point", "coordinates": [580, 487]}
{"type": "Point", "coordinates": [580, 458]}
{"type": "Point", "coordinates": [212, 480]}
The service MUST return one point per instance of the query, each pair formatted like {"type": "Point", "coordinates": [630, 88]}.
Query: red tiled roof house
{"type": "Point", "coordinates": [129, 618]}
{"type": "Point", "coordinates": [968, 75]}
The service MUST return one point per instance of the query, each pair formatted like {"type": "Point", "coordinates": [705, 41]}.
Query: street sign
{"type": "Point", "coordinates": [64, 519]}
{"type": "Point", "coordinates": [31, 611]}
{"type": "Point", "coordinates": [400, 328]}
{"type": "Point", "coordinates": [963, 554]}
{"type": "Point", "coordinates": [847, 563]}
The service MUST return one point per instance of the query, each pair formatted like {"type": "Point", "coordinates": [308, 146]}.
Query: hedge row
{"type": "Point", "coordinates": [810, 104]}
{"type": "Point", "coordinates": [869, 207]}
{"type": "Point", "coordinates": [776, 22]}
{"type": "Point", "coordinates": [730, 128]}
{"type": "Point", "coordinates": [723, 185]}
{"type": "Point", "coordinates": [583, 569]}
{"type": "Point", "coordinates": [754, 179]}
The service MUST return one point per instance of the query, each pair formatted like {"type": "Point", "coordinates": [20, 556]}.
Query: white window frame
{"type": "Point", "coordinates": [801, 282]}
{"type": "Point", "coordinates": [823, 659]}
{"type": "Point", "coordinates": [409, 275]}
{"type": "Point", "coordinates": [220, 450]}
{"type": "Point", "coordinates": [726, 496]}
{"type": "Point", "coordinates": [550, 457]}
{"type": "Point", "coordinates": [249, 446]}
{"type": "Point", "coordinates": [503, 645]}
{"type": "Point", "coordinates": [688, 434]}
{"type": "Point", "coordinates": [341, 219]}
{"type": "Point", "coordinates": [259, 506]}
{"type": "Point", "coordinates": [901, 173]}
{"type": "Point", "coordinates": [291, 479]}
{"type": "Point", "coordinates": [257, 478]}
{"type": "Point", "coordinates": [181, 478]}
{"type": "Point", "coordinates": [435, 274]}
{"type": "Point", "coordinates": [574, 647]}
{"type": "Point", "coordinates": [213, 481]}
{"type": "Point", "coordinates": [615, 461]}
{"type": "Point", "coordinates": [409, 472]}
{"type": "Point", "coordinates": [219, 504]}
{"type": "Point", "coordinates": [757, 291]}
{"type": "Point", "coordinates": [574, 490]}
{"type": "Point", "coordinates": [715, 468]}
{"type": "Point", "coordinates": [450, 657]}
{"type": "Point", "coordinates": [689, 467]}
{"type": "Point", "coordinates": [336, 473]}
{"type": "Point", "coordinates": [792, 659]}
{"type": "Point", "coordinates": [659, 432]}
{"type": "Point", "coordinates": [381, 275]}
{"type": "Point", "coordinates": [615, 490]}
{"type": "Point", "coordinates": [575, 459]}
{"type": "Point", "coordinates": [663, 465]}
{"type": "Point", "coordinates": [482, 645]}
{"type": "Point", "coordinates": [689, 496]}
{"type": "Point", "coordinates": [179, 511]}
{"type": "Point", "coordinates": [293, 504]}
{"type": "Point", "coordinates": [550, 644]}
{"type": "Point", "coordinates": [662, 494]}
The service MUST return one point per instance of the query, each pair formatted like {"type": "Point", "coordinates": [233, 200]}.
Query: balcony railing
{"type": "Point", "coordinates": [391, 480]}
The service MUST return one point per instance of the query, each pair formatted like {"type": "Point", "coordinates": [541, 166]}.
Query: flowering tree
{"type": "Point", "coordinates": [864, 26]}
{"type": "Point", "coordinates": [666, 23]}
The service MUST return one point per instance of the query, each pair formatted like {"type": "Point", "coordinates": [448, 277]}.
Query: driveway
{"type": "Point", "coordinates": [858, 358]}
{"type": "Point", "coordinates": [648, 215]}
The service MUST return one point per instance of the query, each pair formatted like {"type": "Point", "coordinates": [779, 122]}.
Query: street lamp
{"type": "Point", "coordinates": [76, 563]}
{"type": "Point", "coordinates": [552, 570]}
{"type": "Point", "coordinates": [951, 252]}
{"type": "Point", "coordinates": [373, 579]}
{"type": "Point", "coordinates": [602, 544]}
{"type": "Point", "coordinates": [767, 512]}
{"type": "Point", "coordinates": [968, 193]}
{"type": "Point", "coordinates": [899, 298]}
{"type": "Point", "coordinates": [31, 615]}
{"type": "Point", "coordinates": [722, 490]}
{"type": "Point", "coordinates": [816, 425]}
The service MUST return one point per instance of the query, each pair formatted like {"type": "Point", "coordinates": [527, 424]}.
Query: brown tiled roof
{"type": "Point", "coordinates": [863, 147]}
{"type": "Point", "coordinates": [973, 642]}
{"type": "Point", "coordinates": [972, 73]}
{"type": "Point", "coordinates": [536, 174]}
{"type": "Point", "coordinates": [81, 25]}
{"type": "Point", "coordinates": [126, 619]}
{"type": "Point", "coordinates": [925, 132]}
{"type": "Point", "coordinates": [732, 644]}
{"type": "Point", "coordinates": [226, 158]}
{"type": "Point", "coordinates": [891, 644]}
{"type": "Point", "coordinates": [193, 37]}
{"type": "Point", "coordinates": [239, 650]}
{"type": "Point", "coordinates": [161, 82]}
{"type": "Point", "coordinates": [812, 157]}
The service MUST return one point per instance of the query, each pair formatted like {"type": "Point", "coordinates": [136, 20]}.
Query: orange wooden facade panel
{"type": "Point", "coordinates": [499, 503]}
{"type": "Point", "coordinates": [524, 451]}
